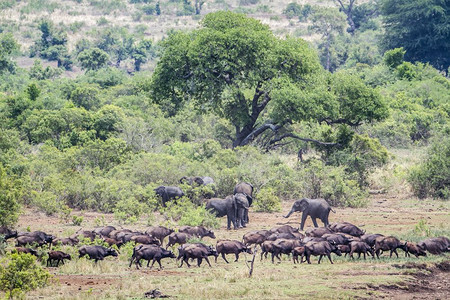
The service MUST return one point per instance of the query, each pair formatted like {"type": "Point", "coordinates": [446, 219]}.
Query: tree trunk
{"type": "Point", "coordinates": [327, 49]}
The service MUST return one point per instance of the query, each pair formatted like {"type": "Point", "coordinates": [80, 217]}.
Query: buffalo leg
{"type": "Point", "coordinates": [207, 260]}
{"type": "Point", "coordinates": [199, 261]}
{"type": "Point", "coordinates": [359, 255]}
{"type": "Point", "coordinates": [320, 258]}
{"type": "Point", "coordinates": [224, 258]}
{"type": "Point", "coordinates": [237, 257]}
{"type": "Point", "coordinates": [395, 251]}
{"type": "Point", "coordinates": [308, 258]}
{"type": "Point", "coordinates": [186, 260]}
{"type": "Point", "coordinates": [329, 257]}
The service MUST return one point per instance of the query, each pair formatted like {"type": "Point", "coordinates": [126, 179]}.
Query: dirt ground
{"type": "Point", "coordinates": [392, 279]}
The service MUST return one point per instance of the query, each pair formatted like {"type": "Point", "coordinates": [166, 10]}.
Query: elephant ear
{"type": "Point", "coordinates": [303, 204]}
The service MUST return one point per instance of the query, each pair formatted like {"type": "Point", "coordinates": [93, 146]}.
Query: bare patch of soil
{"type": "Point", "coordinates": [428, 283]}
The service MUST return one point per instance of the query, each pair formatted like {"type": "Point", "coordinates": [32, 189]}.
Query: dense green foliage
{"type": "Point", "coordinates": [10, 191]}
{"type": "Point", "coordinates": [20, 273]}
{"type": "Point", "coordinates": [419, 26]}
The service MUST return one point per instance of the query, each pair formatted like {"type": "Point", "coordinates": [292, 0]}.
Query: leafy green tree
{"type": "Point", "coordinates": [8, 45]}
{"type": "Point", "coordinates": [393, 58]}
{"type": "Point", "coordinates": [33, 91]}
{"type": "Point", "coordinates": [140, 53]}
{"type": "Point", "coordinates": [293, 9]}
{"type": "Point", "coordinates": [86, 96]}
{"type": "Point", "coordinates": [329, 23]}
{"type": "Point", "coordinates": [235, 67]}
{"type": "Point", "coordinates": [10, 192]}
{"type": "Point", "coordinates": [20, 273]}
{"type": "Point", "coordinates": [93, 59]}
{"type": "Point", "coordinates": [420, 27]}
{"type": "Point", "coordinates": [38, 72]}
{"type": "Point", "coordinates": [108, 121]}
{"type": "Point", "coordinates": [52, 45]}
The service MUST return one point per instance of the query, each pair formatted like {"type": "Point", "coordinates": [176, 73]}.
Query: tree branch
{"type": "Point", "coordinates": [258, 131]}
{"type": "Point", "coordinates": [291, 135]}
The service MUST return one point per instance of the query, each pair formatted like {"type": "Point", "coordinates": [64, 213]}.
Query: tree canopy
{"type": "Point", "coordinates": [421, 27]}
{"type": "Point", "coordinates": [237, 68]}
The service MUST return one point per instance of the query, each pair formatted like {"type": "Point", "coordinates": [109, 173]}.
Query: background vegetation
{"type": "Point", "coordinates": [96, 112]}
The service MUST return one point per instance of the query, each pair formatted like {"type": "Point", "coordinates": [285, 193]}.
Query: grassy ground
{"type": "Point", "coordinates": [112, 279]}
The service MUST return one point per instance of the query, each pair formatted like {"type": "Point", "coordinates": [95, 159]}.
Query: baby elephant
{"type": "Point", "coordinates": [57, 256]}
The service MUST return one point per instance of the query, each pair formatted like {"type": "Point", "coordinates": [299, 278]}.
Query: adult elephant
{"type": "Point", "coordinates": [247, 189]}
{"type": "Point", "coordinates": [168, 193]}
{"type": "Point", "coordinates": [231, 207]}
{"type": "Point", "coordinates": [315, 208]}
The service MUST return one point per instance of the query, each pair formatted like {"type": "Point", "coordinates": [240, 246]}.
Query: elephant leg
{"type": "Point", "coordinates": [302, 224]}
{"type": "Point", "coordinates": [314, 222]}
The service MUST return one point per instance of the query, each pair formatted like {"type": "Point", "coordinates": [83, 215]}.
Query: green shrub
{"type": "Point", "coordinates": [129, 210]}
{"type": "Point", "coordinates": [77, 220]}
{"type": "Point", "coordinates": [267, 201]}
{"type": "Point", "coordinates": [431, 178]}
{"type": "Point", "coordinates": [10, 192]}
{"type": "Point", "coordinates": [184, 212]}
{"type": "Point", "coordinates": [20, 273]}
{"type": "Point", "coordinates": [393, 58]}
{"type": "Point", "coordinates": [46, 202]}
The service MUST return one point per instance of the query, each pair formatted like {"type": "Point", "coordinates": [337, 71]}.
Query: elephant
{"type": "Point", "coordinates": [231, 206]}
{"type": "Point", "coordinates": [197, 179]}
{"type": "Point", "coordinates": [315, 208]}
{"type": "Point", "coordinates": [242, 211]}
{"type": "Point", "coordinates": [247, 189]}
{"type": "Point", "coordinates": [168, 193]}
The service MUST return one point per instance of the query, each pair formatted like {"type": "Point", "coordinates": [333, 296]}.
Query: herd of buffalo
{"type": "Point", "coordinates": [339, 238]}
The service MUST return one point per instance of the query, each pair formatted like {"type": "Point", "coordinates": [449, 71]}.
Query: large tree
{"type": "Point", "coordinates": [421, 27]}
{"type": "Point", "coordinates": [235, 67]}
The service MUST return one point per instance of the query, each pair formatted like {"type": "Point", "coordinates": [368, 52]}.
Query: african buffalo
{"type": "Point", "coordinates": [96, 252]}
{"type": "Point", "coordinates": [388, 243]}
{"type": "Point", "coordinates": [229, 247]}
{"type": "Point", "coordinates": [150, 252]}
{"type": "Point", "coordinates": [323, 248]}
{"type": "Point", "coordinates": [159, 232]}
{"type": "Point", "coordinates": [198, 252]}
{"type": "Point", "coordinates": [59, 256]}
{"type": "Point", "coordinates": [198, 231]}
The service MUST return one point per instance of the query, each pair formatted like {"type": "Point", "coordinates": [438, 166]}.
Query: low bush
{"type": "Point", "coordinates": [431, 178]}
{"type": "Point", "coordinates": [20, 273]}
{"type": "Point", "coordinates": [266, 201]}
{"type": "Point", "coordinates": [184, 212]}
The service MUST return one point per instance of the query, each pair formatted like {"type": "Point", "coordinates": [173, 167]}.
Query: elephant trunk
{"type": "Point", "coordinates": [289, 214]}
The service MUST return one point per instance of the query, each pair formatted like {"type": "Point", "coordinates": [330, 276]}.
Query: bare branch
{"type": "Point", "coordinates": [291, 135]}
{"type": "Point", "coordinates": [258, 131]}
